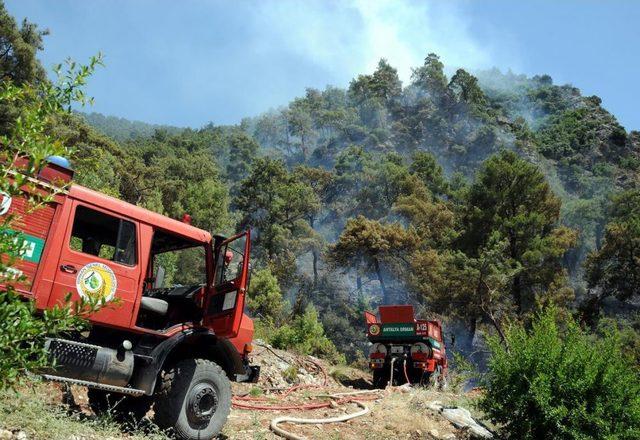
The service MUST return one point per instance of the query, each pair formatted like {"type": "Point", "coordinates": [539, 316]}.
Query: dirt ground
{"type": "Point", "coordinates": [398, 413]}
{"type": "Point", "coordinates": [401, 413]}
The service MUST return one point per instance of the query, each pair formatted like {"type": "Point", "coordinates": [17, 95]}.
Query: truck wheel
{"type": "Point", "coordinates": [124, 409]}
{"type": "Point", "coordinates": [380, 378]}
{"type": "Point", "coordinates": [194, 399]}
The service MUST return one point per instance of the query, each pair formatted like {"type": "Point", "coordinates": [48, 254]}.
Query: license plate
{"type": "Point", "coordinates": [397, 349]}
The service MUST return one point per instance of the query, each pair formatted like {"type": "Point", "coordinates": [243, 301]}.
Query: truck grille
{"type": "Point", "coordinates": [72, 353]}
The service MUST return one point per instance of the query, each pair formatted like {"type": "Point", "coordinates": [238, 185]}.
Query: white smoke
{"type": "Point", "coordinates": [349, 37]}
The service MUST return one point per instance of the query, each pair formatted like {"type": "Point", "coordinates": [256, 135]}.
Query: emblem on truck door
{"type": "Point", "coordinates": [96, 280]}
{"type": "Point", "coordinates": [5, 203]}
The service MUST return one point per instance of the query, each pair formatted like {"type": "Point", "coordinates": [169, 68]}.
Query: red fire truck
{"type": "Point", "coordinates": [405, 349]}
{"type": "Point", "coordinates": [175, 332]}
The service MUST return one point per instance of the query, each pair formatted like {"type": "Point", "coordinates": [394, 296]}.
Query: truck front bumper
{"type": "Point", "coordinates": [251, 374]}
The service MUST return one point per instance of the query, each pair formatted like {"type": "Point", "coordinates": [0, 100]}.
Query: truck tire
{"type": "Point", "coordinates": [380, 378]}
{"type": "Point", "coordinates": [193, 400]}
{"type": "Point", "coordinates": [123, 409]}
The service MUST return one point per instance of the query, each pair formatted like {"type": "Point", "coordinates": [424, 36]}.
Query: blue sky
{"type": "Point", "coordinates": [191, 62]}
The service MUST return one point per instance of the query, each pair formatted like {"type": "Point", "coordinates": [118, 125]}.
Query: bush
{"type": "Point", "coordinates": [37, 107]}
{"type": "Point", "coordinates": [306, 335]}
{"type": "Point", "coordinates": [562, 384]}
{"type": "Point", "coordinates": [265, 299]}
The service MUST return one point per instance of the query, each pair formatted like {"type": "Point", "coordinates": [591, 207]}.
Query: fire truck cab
{"type": "Point", "coordinates": [173, 332]}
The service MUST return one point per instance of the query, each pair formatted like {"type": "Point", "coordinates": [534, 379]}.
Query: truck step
{"type": "Point", "coordinates": [96, 385]}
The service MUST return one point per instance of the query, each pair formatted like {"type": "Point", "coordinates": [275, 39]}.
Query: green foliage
{"type": "Point", "coordinates": [426, 167]}
{"type": "Point", "coordinates": [628, 331]}
{"type": "Point", "coordinates": [561, 383]}
{"type": "Point", "coordinates": [264, 299]}
{"type": "Point", "coordinates": [615, 267]}
{"type": "Point", "coordinates": [123, 130]}
{"type": "Point", "coordinates": [276, 203]}
{"type": "Point", "coordinates": [383, 85]}
{"type": "Point", "coordinates": [430, 76]}
{"type": "Point", "coordinates": [365, 169]}
{"type": "Point", "coordinates": [512, 197]}
{"type": "Point", "coordinates": [290, 374]}
{"type": "Point", "coordinates": [465, 90]}
{"type": "Point", "coordinates": [305, 334]}
{"type": "Point", "coordinates": [22, 334]}
{"type": "Point", "coordinates": [371, 246]}
{"type": "Point", "coordinates": [18, 46]}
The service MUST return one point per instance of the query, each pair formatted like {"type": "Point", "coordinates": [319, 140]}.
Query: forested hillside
{"type": "Point", "coordinates": [122, 129]}
{"type": "Point", "coordinates": [476, 197]}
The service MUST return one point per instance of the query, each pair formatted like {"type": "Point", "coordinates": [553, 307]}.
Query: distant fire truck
{"type": "Point", "coordinates": [405, 349]}
{"type": "Point", "coordinates": [172, 340]}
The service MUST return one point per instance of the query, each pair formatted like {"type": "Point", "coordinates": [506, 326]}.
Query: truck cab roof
{"type": "Point", "coordinates": [137, 213]}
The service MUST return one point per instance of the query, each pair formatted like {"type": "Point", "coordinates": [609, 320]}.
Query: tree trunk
{"type": "Point", "coordinates": [314, 252]}
{"type": "Point", "coordinates": [383, 287]}
{"type": "Point", "coordinates": [517, 294]}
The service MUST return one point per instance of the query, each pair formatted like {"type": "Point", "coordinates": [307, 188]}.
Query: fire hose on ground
{"type": "Point", "coordinates": [260, 404]}
{"type": "Point", "coordinates": [291, 436]}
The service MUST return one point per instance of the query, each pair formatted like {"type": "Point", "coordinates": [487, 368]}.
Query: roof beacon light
{"type": "Point", "coordinates": [58, 170]}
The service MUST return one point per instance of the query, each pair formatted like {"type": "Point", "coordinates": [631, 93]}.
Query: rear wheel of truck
{"type": "Point", "coordinates": [123, 409]}
{"type": "Point", "coordinates": [194, 399]}
{"type": "Point", "coordinates": [380, 378]}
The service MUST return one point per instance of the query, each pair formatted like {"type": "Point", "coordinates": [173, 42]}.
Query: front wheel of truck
{"type": "Point", "coordinates": [194, 399]}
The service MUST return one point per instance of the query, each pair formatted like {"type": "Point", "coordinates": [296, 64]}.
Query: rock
{"type": "Point", "coordinates": [449, 437]}
{"type": "Point", "coordinates": [20, 435]}
{"type": "Point", "coordinates": [434, 433]}
{"type": "Point", "coordinates": [435, 406]}
{"type": "Point", "coordinates": [5, 434]}
{"type": "Point", "coordinates": [461, 418]}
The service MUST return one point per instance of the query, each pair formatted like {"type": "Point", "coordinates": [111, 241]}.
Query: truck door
{"type": "Point", "coordinates": [99, 258]}
{"type": "Point", "coordinates": [225, 303]}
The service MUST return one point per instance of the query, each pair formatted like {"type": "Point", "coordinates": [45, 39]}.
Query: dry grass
{"type": "Point", "coordinates": [396, 415]}
{"type": "Point", "coordinates": [37, 410]}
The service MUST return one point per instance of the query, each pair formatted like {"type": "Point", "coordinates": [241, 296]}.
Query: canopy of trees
{"type": "Point", "coordinates": [477, 197]}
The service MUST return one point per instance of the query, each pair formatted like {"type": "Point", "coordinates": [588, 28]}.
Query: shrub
{"type": "Point", "coordinates": [561, 384]}
{"type": "Point", "coordinates": [306, 335]}
{"type": "Point", "coordinates": [265, 299]}
{"type": "Point", "coordinates": [37, 107]}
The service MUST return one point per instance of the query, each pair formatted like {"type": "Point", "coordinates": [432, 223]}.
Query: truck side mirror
{"type": "Point", "coordinates": [159, 277]}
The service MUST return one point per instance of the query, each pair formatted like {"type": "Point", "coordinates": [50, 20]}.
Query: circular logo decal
{"type": "Point", "coordinates": [96, 280]}
{"type": "Point", "coordinates": [374, 330]}
{"type": "Point", "coordinates": [5, 203]}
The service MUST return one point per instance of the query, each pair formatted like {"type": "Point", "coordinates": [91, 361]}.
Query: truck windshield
{"type": "Point", "coordinates": [177, 261]}
{"type": "Point", "coordinates": [183, 267]}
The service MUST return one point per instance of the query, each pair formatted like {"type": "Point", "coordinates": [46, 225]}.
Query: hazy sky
{"type": "Point", "coordinates": [190, 62]}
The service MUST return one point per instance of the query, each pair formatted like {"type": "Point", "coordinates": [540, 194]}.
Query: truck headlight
{"type": "Point", "coordinates": [420, 347]}
{"type": "Point", "coordinates": [378, 348]}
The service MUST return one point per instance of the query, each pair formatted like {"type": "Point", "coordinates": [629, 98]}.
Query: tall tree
{"type": "Point", "coordinates": [430, 77]}
{"type": "Point", "coordinates": [512, 197]}
{"type": "Point", "coordinates": [426, 167]}
{"type": "Point", "coordinates": [277, 205]}
{"type": "Point", "coordinates": [369, 246]}
{"type": "Point", "coordinates": [614, 269]}
{"type": "Point", "coordinates": [18, 47]}
{"type": "Point", "coordinates": [321, 182]}
{"type": "Point", "coordinates": [466, 91]}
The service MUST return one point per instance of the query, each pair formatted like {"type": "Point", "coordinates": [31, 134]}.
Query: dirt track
{"type": "Point", "coordinates": [394, 414]}
{"type": "Point", "coordinates": [400, 413]}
